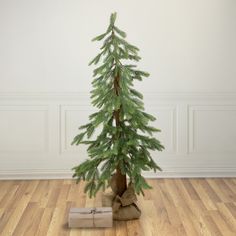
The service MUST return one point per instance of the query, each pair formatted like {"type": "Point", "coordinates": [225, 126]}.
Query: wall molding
{"type": "Point", "coordinates": [25, 108]}
{"type": "Point", "coordinates": [64, 110]}
{"type": "Point", "coordinates": [173, 109]}
{"type": "Point", "coordinates": [192, 111]}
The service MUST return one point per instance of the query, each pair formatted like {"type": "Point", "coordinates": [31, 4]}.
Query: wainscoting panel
{"type": "Point", "coordinates": [71, 118]}
{"type": "Point", "coordinates": [36, 131]}
{"type": "Point", "coordinates": [166, 120]}
{"type": "Point", "coordinates": [24, 129]}
{"type": "Point", "coordinates": [212, 129]}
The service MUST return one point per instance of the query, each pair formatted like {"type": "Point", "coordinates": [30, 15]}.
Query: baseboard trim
{"type": "Point", "coordinates": [226, 172]}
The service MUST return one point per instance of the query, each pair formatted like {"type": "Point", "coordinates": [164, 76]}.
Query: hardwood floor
{"type": "Point", "coordinates": [173, 207]}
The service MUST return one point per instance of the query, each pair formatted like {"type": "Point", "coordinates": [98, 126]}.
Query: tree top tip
{"type": "Point", "coordinates": [113, 18]}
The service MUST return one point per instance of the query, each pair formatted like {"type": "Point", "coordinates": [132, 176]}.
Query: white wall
{"type": "Point", "coordinates": [188, 46]}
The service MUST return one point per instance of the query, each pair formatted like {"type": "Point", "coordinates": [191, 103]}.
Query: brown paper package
{"type": "Point", "coordinates": [90, 217]}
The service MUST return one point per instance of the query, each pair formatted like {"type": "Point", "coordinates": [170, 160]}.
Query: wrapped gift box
{"type": "Point", "coordinates": [90, 217]}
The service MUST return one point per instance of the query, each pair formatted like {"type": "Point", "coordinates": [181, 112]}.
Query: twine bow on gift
{"type": "Point", "coordinates": [94, 211]}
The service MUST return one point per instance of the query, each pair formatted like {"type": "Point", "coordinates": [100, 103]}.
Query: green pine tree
{"type": "Point", "coordinates": [123, 145]}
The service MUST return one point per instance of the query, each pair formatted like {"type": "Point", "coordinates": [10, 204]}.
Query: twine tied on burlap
{"type": "Point", "coordinates": [123, 207]}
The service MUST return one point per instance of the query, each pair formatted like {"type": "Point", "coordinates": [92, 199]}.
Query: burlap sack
{"type": "Point", "coordinates": [124, 207]}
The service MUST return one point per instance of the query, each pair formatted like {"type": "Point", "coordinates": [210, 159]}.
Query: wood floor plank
{"type": "Point", "coordinates": [19, 209]}
{"type": "Point", "coordinates": [210, 192]}
{"type": "Point", "coordinates": [64, 230]}
{"type": "Point", "coordinates": [172, 212]}
{"type": "Point", "coordinates": [218, 219]}
{"type": "Point", "coordinates": [43, 202]}
{"type": "Point", "coordinates": [5, 187]}
{"type": "Point", "coordinates": [45, 222]}
{"type": "Point", "coordinates": [7, 196]}
{"type": "Point", "coordinates": [190, 189]}
{"type": "Point", "coordinates": [174, 207]}
{"type": "Point", "coordinates": [159, 217]}
{"type": "Point", "coordinates": [195, 208]}
{"type": "Point", "coordinates": [231, 196]}
{"type": "Point", "coordinates": [73, 192]}
{"type": "Point", "coordinates": [228, 217]}
{"type": "Point", "coordinates": [6, 203]}
{"type": "Point", "coordinates": [62, 197]}
{"type": "Point", "coordinates": [28, 223]}
{"type": "Point", "coordinates": [134, 228]}
{"type": "Point", "coordinates": [212, 226]}
{"type": "Point", "coordinates": [215, 186]}
{"type": "Point", "coordinates": [110, 231]}
{"type": "Point", "coordinates": [53, 196]}
{"type": "Point", "coordinates": [231, 184]}
{"type": "Point", "coordinates": [181, 208]}
{"type": "Point", "coordinates": [1, 213]}
{"type": "Point", "coordinates": [232, 208]}
{"type": "Point", "coordinates": [81, 197]}
{"type": "Point", "coordinates": [59, 221]}
{"type": "Point", "coordinates": [42, 187]}
{"type": "Point", "coordinates": [207, 201]}
{"type": "Point", "coordinates": [144, 219]}
{"type": "Point", "coordinates": [121, 228]}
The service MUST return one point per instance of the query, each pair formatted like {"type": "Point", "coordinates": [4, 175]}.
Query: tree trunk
{"type": "Point", "coordinates": [121, 182]}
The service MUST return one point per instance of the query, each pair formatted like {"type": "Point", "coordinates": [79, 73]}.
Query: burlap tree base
{"type": "Point", "coordinates": [124, 207]}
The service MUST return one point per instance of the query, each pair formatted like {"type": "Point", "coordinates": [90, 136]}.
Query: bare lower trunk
{"type": "Point", "coordinates": [121, 182]}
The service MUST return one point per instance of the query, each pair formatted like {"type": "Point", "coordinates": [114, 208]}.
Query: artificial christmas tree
{"type": "Point", "coordinates": [122, 147]}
